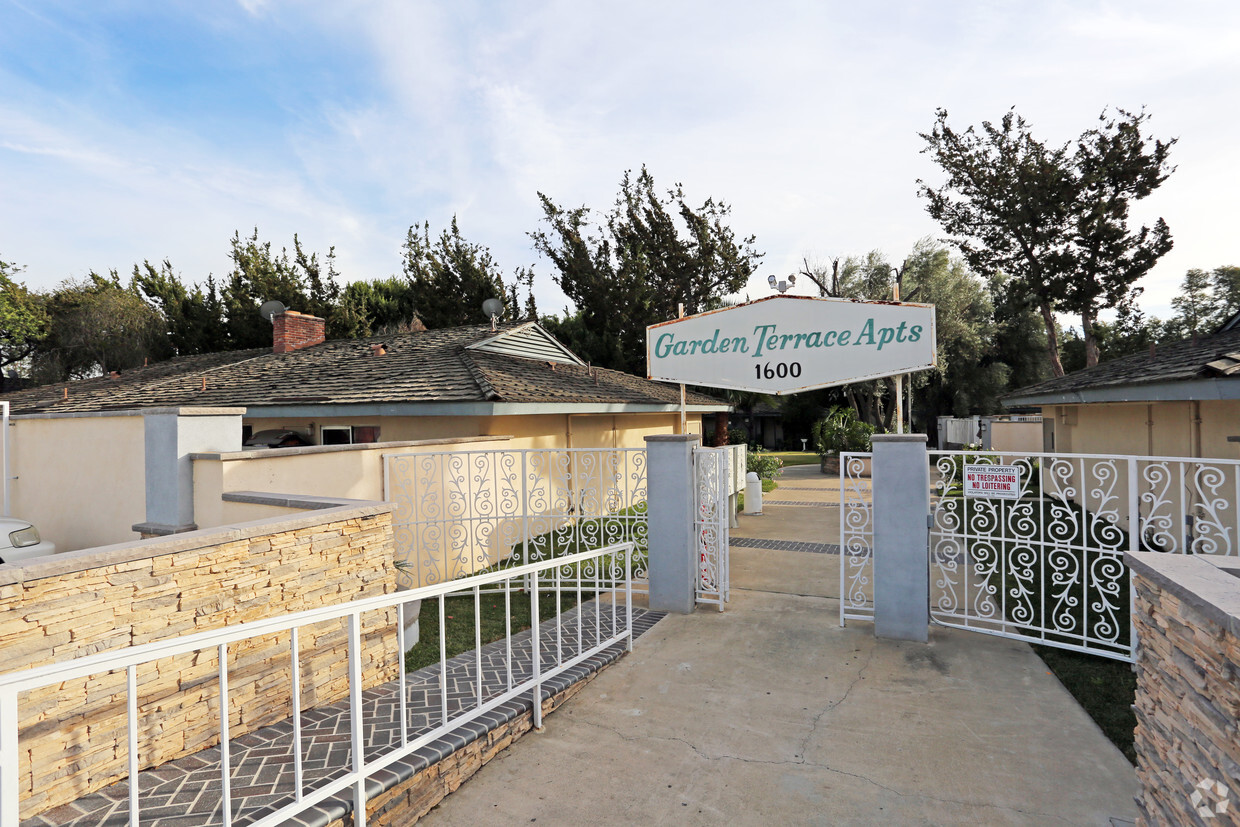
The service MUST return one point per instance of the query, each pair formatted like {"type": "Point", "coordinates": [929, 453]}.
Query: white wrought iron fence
{"type": "Point", "coordinates": [856, 537]}
{"type": "Point", "coordinates": [457, 513]}
{"type": "Point", "coordinates": [713, 487]}
{"type": "Point", "coordinates": [1047, 566]}
{"type": "Point", "coordinates": [458, 697]}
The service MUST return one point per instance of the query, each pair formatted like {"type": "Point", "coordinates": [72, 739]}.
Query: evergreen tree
{"type": "Point", "coordinates": [450, 278]}
{"type": "Point", "coordinates": [259, 275]}
{"type": "Point", "coordinates": [648, 256]}
{"type": "Point", "coordinates": [193, 317]}
{"type": "Point", "coordinates": [23, 317]}
{"type": "Point", "coordinates": [1054, 219]}
{"type": "Point", "coordinates": [1197, 308]}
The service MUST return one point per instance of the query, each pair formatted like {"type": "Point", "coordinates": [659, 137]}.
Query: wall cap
{"type": "Point", "coordinates": [673, 438]}
{"type": "Point", "coordinates": [898, 438]}
{"type": "Point", "coordinates": [163, 529]}
{"type": "Point", "coordinates": [304, 502]}
{"type": "Point", "coordinates": [260, 453]}
{"type": "Point", "coordinates": [1208, 583]}
{"type": "Point", "coordinates": [70, 562]}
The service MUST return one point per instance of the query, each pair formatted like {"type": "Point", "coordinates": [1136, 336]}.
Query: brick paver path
{"type": "Point", "coordinates": [186, 792]}
{"type": "Point", "coordinates": [784, 545]}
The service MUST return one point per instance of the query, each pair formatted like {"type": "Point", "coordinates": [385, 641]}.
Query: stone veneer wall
{"type": "Point", "coordinates": [73, 737]}
{"type": "Point", "coordinates": [1187, 617]}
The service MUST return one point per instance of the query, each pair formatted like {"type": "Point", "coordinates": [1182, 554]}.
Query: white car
{"type": "Point", "coordinates": [19, 541]}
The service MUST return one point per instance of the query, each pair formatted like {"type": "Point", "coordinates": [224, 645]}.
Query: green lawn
{"type": "Point", "coordinates": [459, 620]}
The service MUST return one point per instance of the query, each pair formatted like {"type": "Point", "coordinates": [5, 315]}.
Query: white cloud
{"type": "Point", "coordinates": [802, 116]}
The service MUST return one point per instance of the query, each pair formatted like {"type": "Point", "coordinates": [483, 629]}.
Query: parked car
{"type": "Point", "coordinates": [277, 438]}
{"type": "Point", "coordinates": [19, 540]}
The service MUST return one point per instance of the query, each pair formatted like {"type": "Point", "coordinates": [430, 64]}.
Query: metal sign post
{"type": "Point", "coordinates": [684, 421]}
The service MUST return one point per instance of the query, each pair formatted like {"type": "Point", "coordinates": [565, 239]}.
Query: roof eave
{"type": "Point", "coordinates": [467, 408]}
{"type": "Point", "coordinates": [1184, 390]}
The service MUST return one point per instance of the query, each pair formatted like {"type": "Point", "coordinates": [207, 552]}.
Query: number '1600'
{"type": "Point", "coordinates": [779, 370]}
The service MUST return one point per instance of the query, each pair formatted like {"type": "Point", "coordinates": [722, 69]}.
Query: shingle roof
{"type": "Point", "coordinates": [430, 366]}
{"type": "Point", "coordinates": [1185, 360]}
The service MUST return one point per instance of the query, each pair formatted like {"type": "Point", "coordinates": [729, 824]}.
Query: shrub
{"type": "Point", "coordinates": [840, 430]}
{"type": "Point", "coordinates": [737, 436]}
{"type": "Point", "coordinates": [765, 465]}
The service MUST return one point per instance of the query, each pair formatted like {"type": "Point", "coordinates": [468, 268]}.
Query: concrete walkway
{"type": "Point", "coordinates": [771, 713]}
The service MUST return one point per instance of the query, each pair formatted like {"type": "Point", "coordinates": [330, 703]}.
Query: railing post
{"type": "Point", "coordinates": [670, 491]}
{"type": "Point", "coordinates": [901, 484]}
{"type": "Point", "coordinates": [356, 723]}
{"type": "Point", "coordinates": [536, 654]}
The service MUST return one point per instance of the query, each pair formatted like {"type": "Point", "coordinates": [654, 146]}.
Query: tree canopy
{"type": "Point", "coordinates": [23, 317]}
{"type": "Point", "coordinates": [650, 254]}
{"type": "Point", "coordinates": [1053, 218]}
{"type": "Point", "coordinates": [450, 278]}
{"type": "Point", "coordinates": [96, 325]}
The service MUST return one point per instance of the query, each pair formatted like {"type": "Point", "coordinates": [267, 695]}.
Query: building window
{"type": "Point", "coordinates": [335, 435]}
{"type": "Point", "coordinates": [348, 434]}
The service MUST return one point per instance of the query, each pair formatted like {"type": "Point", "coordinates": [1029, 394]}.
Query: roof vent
{"type": "Point", "coordinates": [378, 349]}
{"type": "Point", "coordinates": [1227, 365]}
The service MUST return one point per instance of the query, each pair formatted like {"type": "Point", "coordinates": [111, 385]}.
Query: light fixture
{"type": "Point", "coordinates": [781, 286]}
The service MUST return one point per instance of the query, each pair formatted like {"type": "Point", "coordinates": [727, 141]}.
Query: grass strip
{"type": "Point", "coordinates": [459, 620]}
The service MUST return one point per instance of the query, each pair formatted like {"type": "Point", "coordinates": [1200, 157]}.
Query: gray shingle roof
{"type": "Point", "coordinates": [1181, 361]}
{"type": "Point", "coordinates": [430, 366]}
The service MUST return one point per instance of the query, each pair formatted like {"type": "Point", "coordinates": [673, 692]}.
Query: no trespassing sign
{"type": "Point", "coordinates": [1000, 481]}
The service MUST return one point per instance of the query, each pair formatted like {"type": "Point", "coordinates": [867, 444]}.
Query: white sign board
{"type": "Point", "coordinates": [997, 481]}
{"type": "Point", "coordinates": [788, 344]}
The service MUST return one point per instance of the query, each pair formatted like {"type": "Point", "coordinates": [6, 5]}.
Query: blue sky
{"type": "Point", "coordinates": [145, 130]}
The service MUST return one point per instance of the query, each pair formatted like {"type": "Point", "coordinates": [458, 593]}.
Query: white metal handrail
{"type": "Point", "coordinates": [611, 581]}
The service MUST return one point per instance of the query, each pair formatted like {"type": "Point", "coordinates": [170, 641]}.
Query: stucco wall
{"type": "Point", "coordinates": [528, 430]}
{"type": "Point", "coordinates": [343, 471]}
{"type": "Point", "coordinates": [592, 430]}
{"type": "Point", "coordinates": [391, 428]}
{"type": "Point", "coordinates": [1157, 429]}
{"type": "Point", "coordinates": [72, 736]}
{"type": "Point", "coordinates": [80, 479]}
{"type": "Point", "coordinates": [1016, 436]}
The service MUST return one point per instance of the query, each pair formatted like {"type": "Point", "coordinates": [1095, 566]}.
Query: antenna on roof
{"type": "Point", "coordinates": [271, 309]}
{"type": "Point", "coordinates": [494, 308]}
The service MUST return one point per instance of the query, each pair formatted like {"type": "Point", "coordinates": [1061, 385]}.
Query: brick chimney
{"type": "Point", "coordinates": [293, 331]}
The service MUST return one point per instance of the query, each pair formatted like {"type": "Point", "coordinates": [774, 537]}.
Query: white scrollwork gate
{"type": "Point", "coordinates": [856, 538]}
{"type": "Point", "coordinates": [1048, 565]}
{"type": "Point", "coordinates": [712, 487]}
{"type": "Point", "coordinates": [463, 512]}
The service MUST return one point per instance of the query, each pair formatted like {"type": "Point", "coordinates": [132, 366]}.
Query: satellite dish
{"type": "Point", "coordinates": [271, 309]}
{"type": "Point", "coordinates": [494, 308]}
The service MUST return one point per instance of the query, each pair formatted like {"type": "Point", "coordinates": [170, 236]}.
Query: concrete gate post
{"type": "Point", "coordinates": [900, 478]}
{"type": "Point", "coordinates": [672, 562]}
